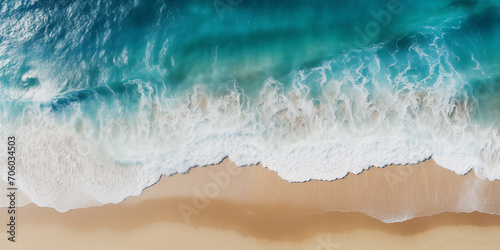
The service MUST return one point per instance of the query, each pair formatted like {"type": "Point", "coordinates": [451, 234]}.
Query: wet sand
{"type": "Point", "coordinates": [225, 207]}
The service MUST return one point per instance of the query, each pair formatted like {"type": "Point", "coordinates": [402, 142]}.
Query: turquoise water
{"type": "Point", "coordinates": [110, 95]}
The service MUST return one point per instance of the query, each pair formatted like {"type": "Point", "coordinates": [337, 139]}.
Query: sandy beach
{"type": "Point", "coordinates": [226, 207]}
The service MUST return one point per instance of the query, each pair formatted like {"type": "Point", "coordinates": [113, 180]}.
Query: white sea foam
{"type": "Point", "coordinates": [288, 133]}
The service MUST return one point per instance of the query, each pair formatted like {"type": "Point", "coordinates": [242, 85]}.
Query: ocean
{"type": "Point", "coordinates": [106, 96]}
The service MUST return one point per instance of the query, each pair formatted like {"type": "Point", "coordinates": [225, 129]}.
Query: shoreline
{"type": "Point", "coordinates": [401, 186]}
{"type": "Point", "coordinates": [396, 173]}
{"type": "Point", "coordinates": [253, 206]}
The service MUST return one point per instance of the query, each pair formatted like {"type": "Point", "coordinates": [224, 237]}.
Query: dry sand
{"type": "Point", "coordinates": [226, 207]}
